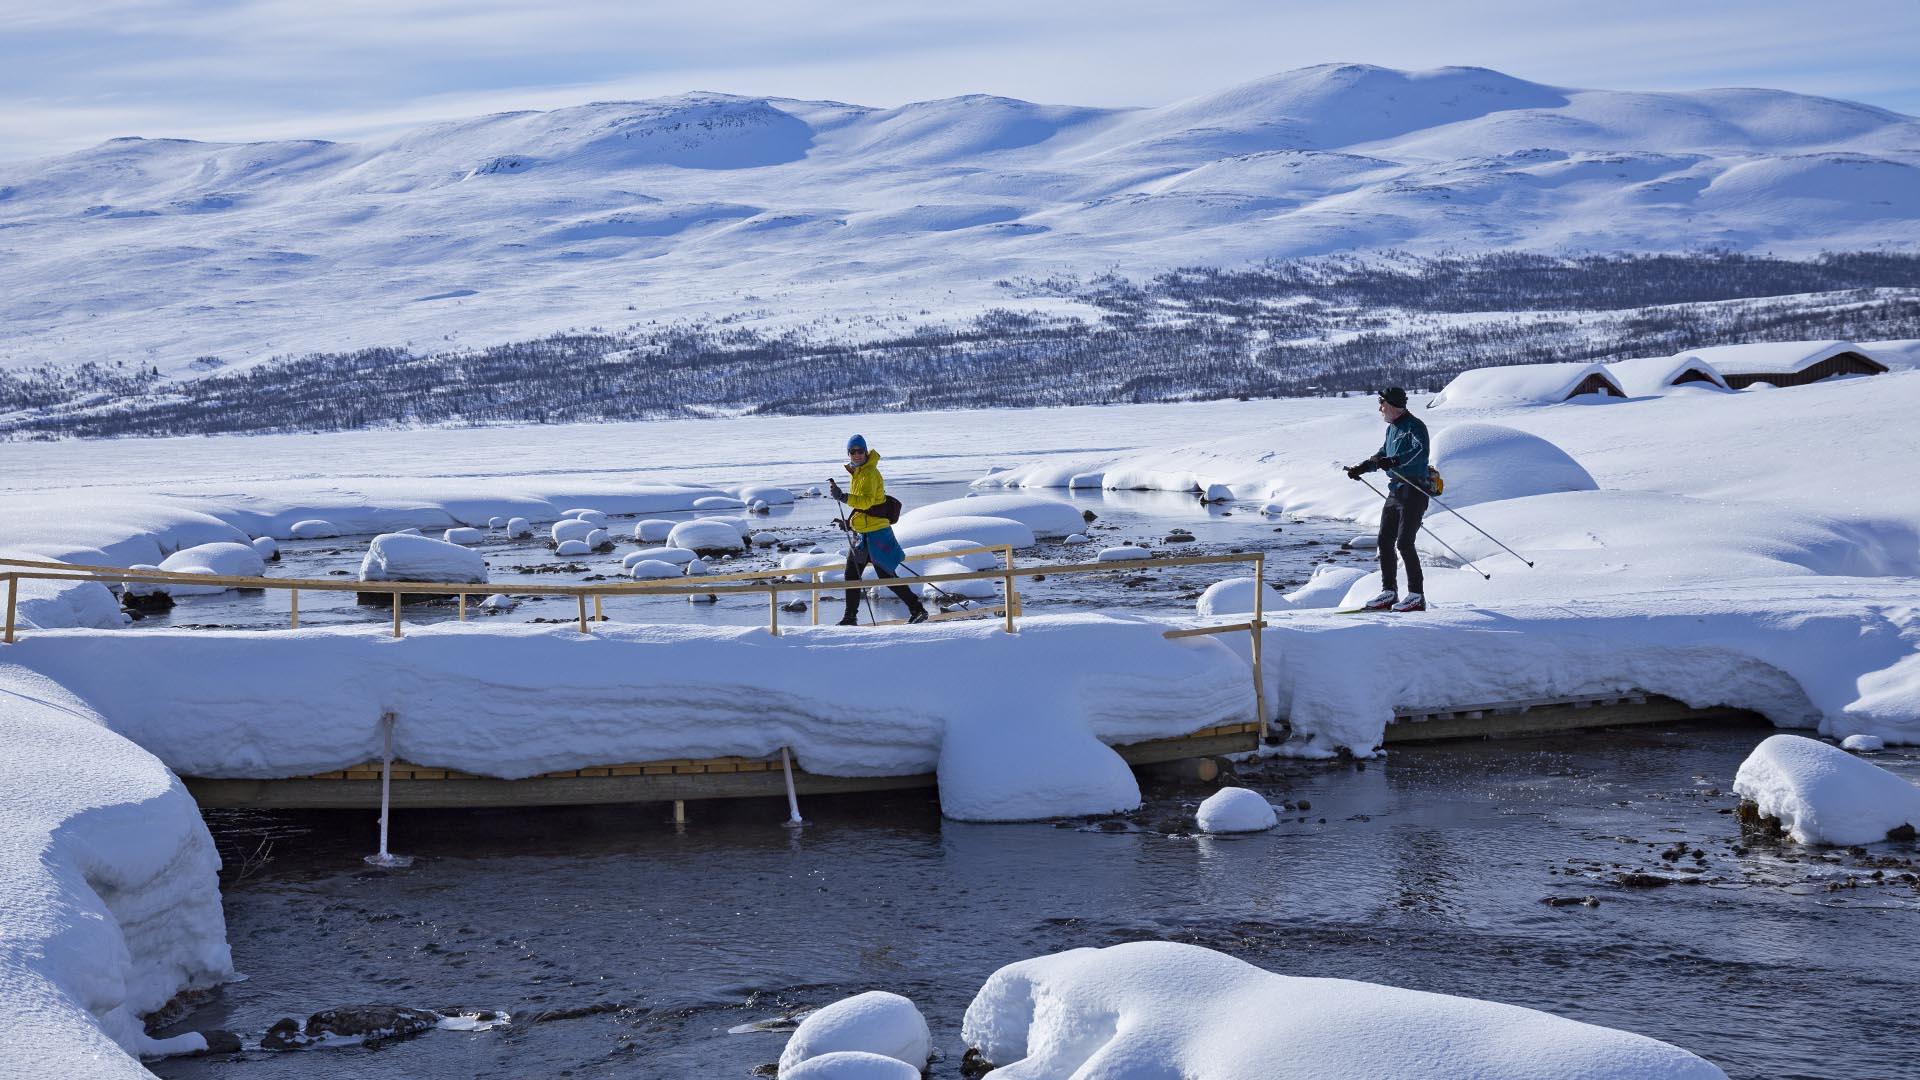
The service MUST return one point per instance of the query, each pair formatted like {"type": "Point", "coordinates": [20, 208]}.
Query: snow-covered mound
{"type": "Point", "coordinates": [109, 892]}
{"type": "Point", "coordinates": [1823, 795]}
{"type": "Point", "coordinates": [875, 1022]}
{"type": "Point", "coordinates": [313, 529]}
{"type": "Point", "coordinates": [707, 536]}
{"type": "Point", "coordinates": [463, 535]}
{"type": "Point", "coordinates": [218, 559]}
{"type": "Point", "coordinates": [519, 528]}
{"type": "Point", "coordinates": [1528, 384]}
{"type": "Point", "coordinates": [583, 514]}
{"type": "Point", "coordinates": [980, 531]}
{"type": "Point", "coordinates": [851, 1065]}
{"type": "Point", "coordinates": [1327, 587]}
{"type": "Point", "coordinates": [1235, 810]}
{"type": "Point", "coordinates": [403, 557]}
{"type": "Point", "coordinates": [268, 548]}
{"type": "Point", "coordinates": [572, 529]}
{"type": "Point", "coordinates": [1126, 553]}
{"type": "Point", "coordinates": [1234, 596]}
{"type": "Point", "coordinates": [653, 530]}
{"type": "Point", "coordinates": [652, 569]}
{"type": "Point", "coordinates": [766, 493]}
{"type": "Point", "coordinates": [933, 199]}
{"type": "Point", "coordinates": [678, 556]}
{"type": "Point", "coordinates": [1049, 519]}
{"type": "Point", "coordinates": [1164, 1009]}
{"type": "Point", "coordinates": [1863, 744]}
{"type": "Point", "coordinates": [1488, 462]}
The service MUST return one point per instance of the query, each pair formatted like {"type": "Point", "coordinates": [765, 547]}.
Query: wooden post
{"type": "Point", "coordinates": [1013, 599]}
{"type": "Point", "coordinates": [773, 611]}
{"type": "Point", "coordinates": [1259, 618]}
{"type": "Point", "coordinates": [463, 606]}
{"type": "Point", "coordinates": [294, 598]}
{"type": "Point", "coordinates": [813, 598]}
{"type": "Point", "coordinates": [396, 613]}
{"type": "Point", "coordinates": [13, 601]}
{"type": "Point", "coordinates": [582, 597]}
{"type": "Point", "coordinates": [679, 811]}
{"type": "Point", "coordinates": [599, 614]}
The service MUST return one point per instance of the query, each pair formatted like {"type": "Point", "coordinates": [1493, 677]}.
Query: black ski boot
{"type": "Point", "coordinates": [919, 616]}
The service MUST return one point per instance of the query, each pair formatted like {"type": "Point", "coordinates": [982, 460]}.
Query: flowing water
{"type": "Point", "coordinates": [624, 946]}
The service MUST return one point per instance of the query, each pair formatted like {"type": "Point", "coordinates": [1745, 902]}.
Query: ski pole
{"type": "Point", "coordinates": [846, 526]}
{"type": "Point", "coordinates": [1458, 514]}
{"type": "Point", "coordinates": [1429, 532]}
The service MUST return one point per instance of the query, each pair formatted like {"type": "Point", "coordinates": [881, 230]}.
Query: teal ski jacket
{"type": "Point", "coordinates": [1405, 452]}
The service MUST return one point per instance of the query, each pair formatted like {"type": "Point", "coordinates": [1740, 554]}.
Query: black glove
{"type": "Point", "coordinates": [841, 524]}
{"type": "Point", "coordinates": [833, 489]}
{"type": "Point", "coordinates": [1354, 472]}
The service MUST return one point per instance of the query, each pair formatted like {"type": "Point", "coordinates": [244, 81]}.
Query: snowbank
{"type": "Point", "coordinates": [1162, 1009]}
{"type": "Point", "coordinates": [707, 536]}
{"type": "Point", "coordinates": [1022, 739]}
{"type": "Point", "coordinates": [875, 1022]}
{"type": "Point", "coordinates": [1049, 519]}
{"type": "Point", "coordinates": [717, 502]}
{"type": "Point", "coordinates": [1487, 462]}
{"type": "Point", "coordinates": [402, 557]}
{"type": "Point", "coordinates": [981, 531]}
{"type": "Point", "coordinates": [1823, 795]}
{"type": "Point", "coordinates": [109, 896]}
{"type": "Point", "coordinates": [1234, 596]}
{"type": "Point", "coordinates": [1235, 810]}
{"type": "Point", "coordinates": [1528, 384]}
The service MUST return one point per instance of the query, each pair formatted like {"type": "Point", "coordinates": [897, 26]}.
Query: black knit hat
{"type": "Point", "coordinates": [1394, 396]}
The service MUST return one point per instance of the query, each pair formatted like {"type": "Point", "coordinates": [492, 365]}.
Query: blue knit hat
{"type": "Point", "coordinates": [857, 442]}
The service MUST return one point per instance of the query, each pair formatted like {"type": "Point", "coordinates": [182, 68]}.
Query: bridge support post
{"type": "Point", "coordinates": [793, 800]}
{"type": "Point", "coordinates": [385, 857]}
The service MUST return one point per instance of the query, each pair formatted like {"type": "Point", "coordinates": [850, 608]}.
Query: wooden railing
{"type": "Point", "coordinates": [771, 583]}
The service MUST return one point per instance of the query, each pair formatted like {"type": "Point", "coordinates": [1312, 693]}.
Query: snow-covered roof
{"type": "Point", "coordinates": [1646, 376]}
{"type": "Point", "coordinates": [1773, 357]}
{"type": "Point", "coordinates": [1521, 384]}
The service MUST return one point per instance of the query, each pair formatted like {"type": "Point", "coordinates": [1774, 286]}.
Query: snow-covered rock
{"type": "Point", "coordinates": [980, 531]}
{"type": "Point", "coordinates": [707, 536]}
{"type": "Point", "coordinates": [876, 1022]}
{"type": "Point", "coordinates": [1364, 542]}
{"type": "Point", "coordinates": [1236, 810]}
{"type": "Point", "coordinates": [568, 549]}
{"type": "Point", "coordinates": [313, 529]}
{"type": "Point", "coordinates": [1863, 744]}
{"type": "Point", "coordinates": [496, 522]}
{"type": "Point", "coordinates": [411, 530]}
{"type": "Point", "coordinates": [220, 559]}
{"type": "Point", "coordinates": [1124, 553]}
{"type": "Point", "coordinates": [695, 567]}
{"type": "Point", "coordinates": [463, 535]}
{"type": "Point", "coordinates": [717, 502]}
{"type": "Point", "coordinates": [1327, 587]}
{"type": "Point", "coordinates": [972, 589]}
{"type": "Point", "coordinates": [598, 519]}
{"type": "Point", "coordinates": [519, 528]}
{"type": "Point", "coordinates": [268, 547]}
{"type": "Point", "coordinates": [652, 569]}
{"type": "Point", "coordinates": [1823, 795]}
{"type": "Point", "coordinates": [766, 493]}
{"type": "Point", "coordinates": [499, 602]}
{"type": "Point", "coordinates": [598, 539]}
{"type": "Point", "coordinates": [1048, 519]}
{"type": "Point", "coordinates": [851, 1065]}
{"type": "Point", "coordinates": [571, 529]}
{"type": "Point", "coordinates": [1165, 1009]}
{"type": "Point", "coordinates": [652, 530]}
{"type": "Point", "coordinates": [1484, 463]}
{"type": "Point", "coordinates": [1077, 538]}
{"type": "Point", "coordinates": [173, 588]}
{"type": "Point", "coordinates": [675, 555]}
{"type": "Point", "coordinates": [1217, 493]}
{"type": "Point", "coordinates": [1234, 596]}
{"type": "Point", "coordinates": [972, 560]}
{"type": "Point", "coordinates": [401, 557]}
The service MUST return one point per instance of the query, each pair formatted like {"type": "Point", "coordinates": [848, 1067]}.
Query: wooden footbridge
{"type": "Point", "coordinates": [391, 782]}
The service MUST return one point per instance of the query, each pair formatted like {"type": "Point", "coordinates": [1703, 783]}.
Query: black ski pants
{"type": "Point", "coordinates": [858, 559]}
{"type": "Point", "coordinates": [1399, 528]}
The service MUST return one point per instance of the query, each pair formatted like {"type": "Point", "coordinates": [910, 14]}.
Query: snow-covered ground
{"type": "Point", "coordinates": [1755, 548]}
{"type": "Point", "coordinates": [507, 226]}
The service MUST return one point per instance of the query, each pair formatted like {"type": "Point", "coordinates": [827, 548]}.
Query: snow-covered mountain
{"type": "Point", "coordinates": [501, 227]}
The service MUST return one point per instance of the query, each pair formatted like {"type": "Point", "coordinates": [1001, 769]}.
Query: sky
{"type": "Point", "coordinates": [78, 72]}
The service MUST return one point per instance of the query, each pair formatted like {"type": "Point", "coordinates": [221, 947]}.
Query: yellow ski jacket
{"type": "Point", "coordinates": [867, 491]}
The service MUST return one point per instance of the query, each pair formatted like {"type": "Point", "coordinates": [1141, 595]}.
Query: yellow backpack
{"type": "Point", "coordinates": [1435, 485]}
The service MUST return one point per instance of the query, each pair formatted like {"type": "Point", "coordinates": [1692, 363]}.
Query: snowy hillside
{"type": "Point", "coordinates": [509, 226]}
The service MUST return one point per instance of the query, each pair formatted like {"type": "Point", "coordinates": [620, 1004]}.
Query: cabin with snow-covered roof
{"type": "Point", "coordinates": [1528, 384]}
{"type": "Point", "coordinates": [1788, 363]}
{"type": "Point", "coordinates": [1649, 376]}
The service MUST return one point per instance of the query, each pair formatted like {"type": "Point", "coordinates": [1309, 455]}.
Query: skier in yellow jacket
{"type": "Point", "coordinates": [870, 538]}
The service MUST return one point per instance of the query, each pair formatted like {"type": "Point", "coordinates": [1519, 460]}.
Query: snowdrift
{"type": "Point", "coordinates": [1162, 1009]}
{"type": "Point", "coordinates": [1823, 795]}
{"type": "Point", "coordinates": [109, 893]}
{"type": "Point", "coordinates": [1487, 462]}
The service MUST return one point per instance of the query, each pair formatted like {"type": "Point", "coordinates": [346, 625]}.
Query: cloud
{"type": "Point", "coordinates": [76, 73]}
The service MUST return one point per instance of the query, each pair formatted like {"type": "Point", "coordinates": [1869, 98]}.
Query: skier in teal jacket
{"type": "Point", "coordinates": [1404, 455]}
